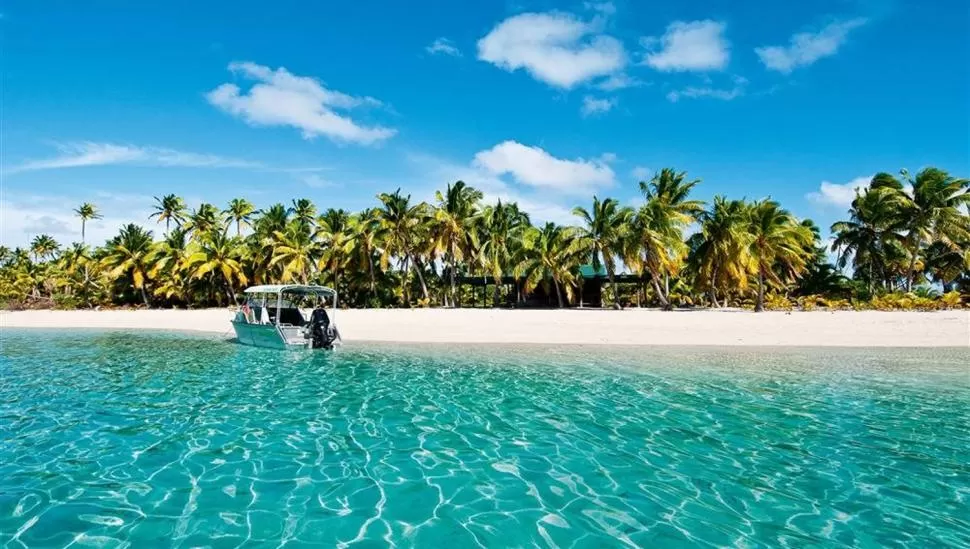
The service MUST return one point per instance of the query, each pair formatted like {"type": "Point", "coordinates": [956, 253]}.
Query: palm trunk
{"type": "Point", "coordinates": [238, 228]}
{"type": "Point", "coordinates": [144, 296]}
{"type": "Point", "coordinates": [910, 276]}
{"type": "Point", "coordinates": [451, 275]}
{"type": "Point", "coordinates": [555, 282]}
{"type": "Point", "coordinates": [616, 301]}
{"type": "Point", "coordinates": [424, 287]}
{"type": "Point", "coordinates": [82, 230]}
{"type": "Point", "coordinates": [656, 288]}
{"type": "Point", "coordinates": [760, 305]}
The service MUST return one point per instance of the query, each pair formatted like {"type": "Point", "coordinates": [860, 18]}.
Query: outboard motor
{"type": "Point", "coordinates": [322, 335]}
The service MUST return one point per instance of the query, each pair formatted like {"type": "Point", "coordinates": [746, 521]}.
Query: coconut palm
{"type": "Point", "coordinates": [130, 254]}
{"type": "Point", "coordinates": [240, 211]}
{"type": "Point", "coordinates": [295, 251]}
{"type": "Point", "coordinates": [552, 260]}
{"type": "Point", "coordinates": [87, 211]}
{"type": "Point", "coordinates": [336, 240]}
{"type": "Point", "coordinates": [304, 212]}
{"type": "Point", "coordinates": [872, 236]}
{"type": "Point", "coordinates": [455, 216]}
{"type": "Point", "coordinates": [720, 253]}
{"type": "Point", "coordinates": [778, 241]}
{"type": "Point", "coordinates": [203, 220]}
{"type": "Point", "coordinates": [935, 211]}
{"type": "Point", "coordinates": [500, 229]}
{"type": "Point", "coordinates": [272, 219]}
{"type": "Point", "coordinates": [604, 229]}
{"type": "Point", "coordinates": [367, 233]}
{"type": "Point", "coordinates": [219, 258]}
{"type": "Point", "coordinates": [169, 208]}
{"type": "Point", "coordinates": [403, 222]}
{"type": "Point", "coordinates": [169, 259]}
{"type": "Point", "coordinates": [43, 246]}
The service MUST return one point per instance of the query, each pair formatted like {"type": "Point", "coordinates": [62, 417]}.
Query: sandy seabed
{"type": "Point", "coordinates": [628, 327]}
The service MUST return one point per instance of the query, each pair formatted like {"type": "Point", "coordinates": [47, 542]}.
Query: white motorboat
{"type": "Point", "coordinates": [288, 316]}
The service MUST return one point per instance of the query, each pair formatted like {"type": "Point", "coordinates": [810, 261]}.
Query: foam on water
{"type": "Point", "coordinates": [112, 439]}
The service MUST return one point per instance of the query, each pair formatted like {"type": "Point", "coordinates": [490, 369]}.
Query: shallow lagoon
{"type": "Point", "coordinates": [111, 438]}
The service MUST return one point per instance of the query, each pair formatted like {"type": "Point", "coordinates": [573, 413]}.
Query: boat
{"type": "Point", "coordinates": [288, 316]}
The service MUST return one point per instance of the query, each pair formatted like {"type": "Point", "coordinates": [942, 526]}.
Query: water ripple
{"type": "Point", "coordinates": [116, 440]}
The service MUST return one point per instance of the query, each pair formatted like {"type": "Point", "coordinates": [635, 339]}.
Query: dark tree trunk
{"type": "Point", "coordinates": [555, 282]}
{"type": "Point", "coordinates": [760, 305]}
{"type": "Point", "coordinates": [664, 302]}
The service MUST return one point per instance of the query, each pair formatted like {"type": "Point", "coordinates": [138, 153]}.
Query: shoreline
{"type": "Point", "coordinates": [643, 327]}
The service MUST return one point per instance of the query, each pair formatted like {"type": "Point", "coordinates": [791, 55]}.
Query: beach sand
{"type": "Point", "coordinates": [628, 327]}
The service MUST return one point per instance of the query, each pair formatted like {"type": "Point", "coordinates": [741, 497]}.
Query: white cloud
{"type": "Point", "coordinates": [443, 46]}
{"type": "Point", "coordinates": [688, 46]}
{"type": "Point", "coordinates": [641, 173]}
{"type": "Point", "coordinates": [619, 81]}
{"type": "Point", "coordinates": [806, 48]}
{"type": "Point", "coordinates": [87, 153]}
{"type": "Point", "coordinates": [535, 167]}
{"type": "Point", "coordinates": [593, 106]}
{"type": "Point", "coordinates": [555, 48]}
{"type": "Point", "coordinates": [605, 8]}
{"type": "Point", "coordinates": [838, 194]}
{"type": "Point", "coordinates": [280, 98]}
{"type": "Point", "coordinates": [315, 181]}
{"type": "Point", "coordinates": [697, 92]}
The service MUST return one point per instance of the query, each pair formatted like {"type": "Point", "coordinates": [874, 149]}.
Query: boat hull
{"type": "Point", "coordinates": [260, 335]}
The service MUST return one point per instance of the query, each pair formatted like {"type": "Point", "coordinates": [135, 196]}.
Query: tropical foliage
{"type": "Point", "coordinates": [905, 243]}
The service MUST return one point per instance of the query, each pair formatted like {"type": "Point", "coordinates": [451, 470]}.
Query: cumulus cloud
{"type": "Point", "coordinates": [23, 217]}
{"type": "Point", "coordinates": [556, 48]}
{"type": "Point", "coordinates": [806, 48]}
{"type": "Point", "coordinates": [593, 106]}
{"type": "Point", "coordinates": [535, 167]}
{"type": "Point", "coordinates": [688, 46]}
{"type": "Point", "coordinates": [88, 153]}
{"type": "Point", "coordinates": [279, 98]}
{"type": "Point", "coordinates": [443, 46]}
{"type": "Point", "coordinates": [838, 194]}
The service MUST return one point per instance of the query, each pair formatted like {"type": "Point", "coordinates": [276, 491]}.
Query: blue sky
{"type": "Point", "coordinates": [542, 102]}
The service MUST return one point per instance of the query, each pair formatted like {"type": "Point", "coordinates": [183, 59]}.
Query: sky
{"type": "Point", "coordinates": [546, 103]}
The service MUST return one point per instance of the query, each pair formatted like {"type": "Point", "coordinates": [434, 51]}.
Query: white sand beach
{"type": "Point", "coordinates": [629, 327]}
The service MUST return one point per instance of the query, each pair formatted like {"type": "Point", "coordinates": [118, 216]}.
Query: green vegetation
{"type": "Point", "coordinates": [903, 237]}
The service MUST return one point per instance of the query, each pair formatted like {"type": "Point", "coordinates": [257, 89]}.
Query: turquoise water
{"type": "Point", "coordinates": [158, 439]}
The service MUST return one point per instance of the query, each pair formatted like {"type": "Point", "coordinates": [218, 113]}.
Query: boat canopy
{"type": "Point", "coordinates": [299, 289]}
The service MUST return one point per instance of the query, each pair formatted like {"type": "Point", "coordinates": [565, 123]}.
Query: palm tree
{"type": "Point", "coordinates": [43, 246]}
{"type": "Point", "coordinates": [204, 220]}
{"type": "Point", "coordinates": [602, 235]}
{"type": "Point", "coordinates": [296, 252]}
{"type": "Point", "coordinates": [500, 231]}
{"type": "Point", "coordinates": [778, 241]}
{"type": "Point", "coordinates": [169, 208]}
{"type": "Point", "coordinates": [272, 219]}
{"type": "Point", "coordinates": [87, 211]}
{"type": "Point", "coordinates": [335, 237]}
{"type": "Point", "coordinates": [403, 222]}
{"type": "Point", "coordinates": [304, 212]}
{"type": "Point", "coordinates": [169, 260]}
{"type": "Point", "coordinates": [872, 236]}
{"type": "Point", "coordinates": [240, 211]}
{"type": "Point", "coordinates": [219, 256]}
{"type": "Point", "coordinates": [551, 259]}
{"type": "Point", "coordinates": [935, 211]}
{"type": "Point", "coordinates": [455, 214]}
{"type": "Point", "coordinates": [720, 255]}
{"type": "Point", "coordinates": [367, 232]}
{"type": "Point", "coordinates": [130, 253]}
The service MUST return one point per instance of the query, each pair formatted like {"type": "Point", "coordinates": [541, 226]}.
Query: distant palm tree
{"type": "Point", "coordinates": [500, 228]}
{"type": "Point", "coordinates": [721, 252]}
{"type": "Point", "coordinates": [935, 211]}
{"type": "Point", "coordinates": [296, 252]}
{"type": "Point", "coordinates": [169, 260]}
{"type": "Point", "coordinates": [454, 216]}
{"type": "Point", "coordinates": [602, 234]}
{"type": "Point", "coordinates": [219, 256]}
{"type": "Point", "coordinates": [367, 234]}
{"type": "Point", "coordinates": [130, 253]}
{"type": "Point", "coordinates": [204, 220]}
{"type": "Point", "coordinates": [336, 242]}
{"type": "Point", "coordinates": [304, 212]}
{"type": "Point", "coordinates": [872, 236]}
{"type": "Point", "coordinates": [778, 241]}
{"type": "Point", "coordinates": [403, 222]}
{"type": "Point", "coordinates": [551, 260]}
{"type": "Point", "coordinates": [43, 246]}
{"type": "Point", "coordinates": [169, 208]}
{"type": "Point", "coordinates": [87, 211]}
{"type": "Point", "coordinates": [240, 211]}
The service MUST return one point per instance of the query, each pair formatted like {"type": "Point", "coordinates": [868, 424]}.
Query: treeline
{"type": "Point", "coordinates": [903, 236]}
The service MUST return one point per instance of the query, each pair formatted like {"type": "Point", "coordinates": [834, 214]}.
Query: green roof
{"type": "Point", "coordinates": [587, 271]}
